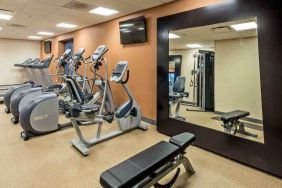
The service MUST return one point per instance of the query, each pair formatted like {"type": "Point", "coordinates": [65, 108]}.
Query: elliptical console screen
{"type": "Point", "coordinates": [99, 52]}
{"type": "Point", "coordinates": [119, 71]}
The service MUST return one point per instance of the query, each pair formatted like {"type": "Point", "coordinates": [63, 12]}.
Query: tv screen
{"type": "Point", "coordinates": [47, 47]}
{"type": "Point", "coordinates": [133, 31]}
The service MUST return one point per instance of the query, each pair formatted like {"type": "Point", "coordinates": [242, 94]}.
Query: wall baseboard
{"type": "Point", "coordinates": [148, 120]}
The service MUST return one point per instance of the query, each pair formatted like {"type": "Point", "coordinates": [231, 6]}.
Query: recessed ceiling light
{"type": "Point", "coordinates": [66, 25]}
{"type": "Point", "coordinates": [173, 36]}
{"type": "Point", "coordinates": [34, 37]}
{"type": "Point", "coordinates": [0, 28]}
{"type": "Point", "coordinates": [103, 11]}
{"type": "Point", "coordinates": [127, 25]}
{"type": "Point", "coordinates": [244, 26]}
{"type": "Point", "coordinates": [194, 45]}
{"type": "Point", "coordinates": [124, 29]}
{"type": "Point", "coordinates": [45, 33]}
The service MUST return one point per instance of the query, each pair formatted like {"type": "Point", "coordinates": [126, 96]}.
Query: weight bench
{"type": "Point", "coordinates": [146, 168]}
{"type": "Point", "coordinates": [232, 124]}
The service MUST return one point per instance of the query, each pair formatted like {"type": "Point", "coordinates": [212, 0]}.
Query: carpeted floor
{"type": "Point", "coordinates": [50, 161]}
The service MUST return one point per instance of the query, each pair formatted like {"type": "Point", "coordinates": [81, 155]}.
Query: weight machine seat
{"type": "Point", "coordinates": [93, 107]}
{"type": "Point", "coordinates": [234, 115]}
{"type": "Point", "coordinates": [175, 95]}
{"type": "Point", "coordinates": [178, 95]}
{"type": "Point", "coordinates": [185, 94]}
{"type": "Point", "coordinates": [142, 165]}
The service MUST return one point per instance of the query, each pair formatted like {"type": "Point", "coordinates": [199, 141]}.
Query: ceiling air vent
{"type": "Point", "coordinates": [222, 29]}
{"type": "Point", "coordinates": [78, 5]}
{"type": "Point", "coordinates": [16, 25]}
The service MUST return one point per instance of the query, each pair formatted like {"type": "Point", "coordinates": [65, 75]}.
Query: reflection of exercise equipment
{"type": "Point", "coordinates": [176, 96]}
{"type": "Point", "coordinates": [148, 167]}
{"type": "Point", "coordinates": [202, 80]}
{"type": "Point", "coordinates": [232, 124]}
{"type": "Point", "coordinates": [193, 82]}
{"type": "Point", "coordinates": [171, 79]}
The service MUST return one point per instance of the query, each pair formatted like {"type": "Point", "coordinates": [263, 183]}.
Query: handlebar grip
{"type": "Point", "coordinates": [55, 60]}
{"type": "Point", "coordinates": [127, 78]}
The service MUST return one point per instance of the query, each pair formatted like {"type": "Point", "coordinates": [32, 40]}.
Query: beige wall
{"type": "Point", "coordinates": [237, 78]}
{"type": "Point", "coordinates": [187, 66]}
{"type": "Point", "coordinates": [142, 57]}
{"type": "Point", "coordinates": [16, 51]}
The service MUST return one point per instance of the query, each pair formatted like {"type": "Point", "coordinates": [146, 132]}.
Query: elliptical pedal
{"type": "Point", "coordinates": [25, 135]}
{"type": "Point", "coordinates": [14, 120]}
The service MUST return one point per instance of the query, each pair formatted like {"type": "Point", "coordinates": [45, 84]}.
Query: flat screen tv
{"type": "Point", "coordinates": [47, 47]}
{"type": "Point", "coordinates": [133, 31]}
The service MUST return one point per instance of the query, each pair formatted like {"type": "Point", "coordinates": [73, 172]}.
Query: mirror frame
{"type": "Point", "coordinates": [266, 157]}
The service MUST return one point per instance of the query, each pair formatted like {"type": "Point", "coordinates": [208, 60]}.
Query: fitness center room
{"type": "Point", "coordinates": [140, 93]}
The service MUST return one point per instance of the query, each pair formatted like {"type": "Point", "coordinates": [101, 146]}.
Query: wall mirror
{"type": "Point", "coordinates": [214, 78]}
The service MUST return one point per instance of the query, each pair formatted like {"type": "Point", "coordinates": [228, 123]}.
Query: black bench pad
{"type": "Point", "coordinates": [234, 115]}
{"type": "Point", "coordinates": [130, 172]}
{"type": "Point", "coordinates": [183, 140]}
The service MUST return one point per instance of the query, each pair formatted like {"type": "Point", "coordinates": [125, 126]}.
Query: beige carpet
{"type": "Point", "coordinates": [50, 161]}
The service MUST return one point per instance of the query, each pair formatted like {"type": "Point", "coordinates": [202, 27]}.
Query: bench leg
{"type": "Point", "coordinates": [242, 130]}
{"type": "Point", "coordinates": [166, 169]}
{"type": "Point", "coordinates": [188, 166]}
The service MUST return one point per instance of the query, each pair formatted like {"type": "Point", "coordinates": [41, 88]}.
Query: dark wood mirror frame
{"type": "Point", "coordinates": [268, 156]}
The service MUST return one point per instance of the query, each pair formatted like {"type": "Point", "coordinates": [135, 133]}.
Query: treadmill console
{"type": "Point", "coordinates": [99, 52]}
{"type": "Point", "coordinates": [119, 71]}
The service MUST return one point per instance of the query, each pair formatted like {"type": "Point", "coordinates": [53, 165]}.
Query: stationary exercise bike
{"type": "Point", "coordinates": [176, 96]}
{"type": "Point", "coordinates": [128, 115]}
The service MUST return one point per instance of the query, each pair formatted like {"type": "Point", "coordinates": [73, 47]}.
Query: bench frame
{"type": "Point", "coordinates": [236, 127]}
{"type": "Point", "coordinates": [166, 169]}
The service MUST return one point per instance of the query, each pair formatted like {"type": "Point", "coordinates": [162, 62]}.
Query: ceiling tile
{"type": "Point", "coordinates": [45, 14]}
{"type": "Point", "coordinates": [112, 4]}
{"type": "Point", "coordinates": [57, 3]}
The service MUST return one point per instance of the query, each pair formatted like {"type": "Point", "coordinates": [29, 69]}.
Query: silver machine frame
{"type": "Point", "coordinates": [166, 169]}
{"type": "Point", "coordinates": [198, 74]}
{"type": "Point", "coordinates": [125, 124]}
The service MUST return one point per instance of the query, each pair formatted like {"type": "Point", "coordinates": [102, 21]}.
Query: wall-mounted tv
{"type": "Point", "coordinates": [47, 47]}
{"type": "Point", "coordinates": [133, 30]}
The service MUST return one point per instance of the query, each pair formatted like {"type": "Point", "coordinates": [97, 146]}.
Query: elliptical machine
{"type": "Point", "coordinates": [128, 115]}
{"type": "Point", "coordinates": [39, 114]}
{"type": "Point", "coordinates": [24, 95]}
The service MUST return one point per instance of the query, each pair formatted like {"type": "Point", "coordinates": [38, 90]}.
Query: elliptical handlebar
{"type": "Point", "coordinates": [127, 78]}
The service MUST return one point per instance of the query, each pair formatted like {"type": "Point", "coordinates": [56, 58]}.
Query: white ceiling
{"type": "Point", "coordinates": [206, 36]}
{"type": "Point", "coordinates": [44, 15]}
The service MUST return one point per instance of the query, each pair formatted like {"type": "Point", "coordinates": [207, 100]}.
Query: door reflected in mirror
{"type": "Point", "coordinates": [214, 78]}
